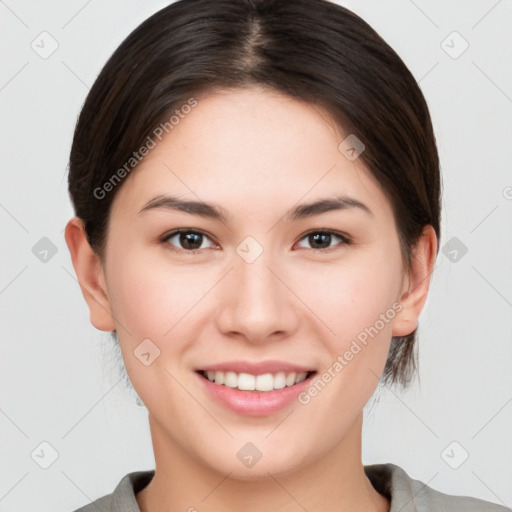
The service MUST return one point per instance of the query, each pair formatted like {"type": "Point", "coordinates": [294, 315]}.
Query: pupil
{"type": "Point", "coordinates": [318, 237]}
{"type": "Point", "coordinates": [189, 239]}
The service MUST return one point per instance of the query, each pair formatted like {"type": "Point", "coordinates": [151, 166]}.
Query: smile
{"type": "Point", "coordinates": [253, 401]}
{"type": "Point", "coordinates": [248, 382]}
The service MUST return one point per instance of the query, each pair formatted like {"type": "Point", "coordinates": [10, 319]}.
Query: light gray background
{"type": "Point", "coordinates": [58, 384]}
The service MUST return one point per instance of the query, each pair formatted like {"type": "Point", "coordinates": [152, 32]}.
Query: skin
{"type": "Point", "coordinates": [256, 154]}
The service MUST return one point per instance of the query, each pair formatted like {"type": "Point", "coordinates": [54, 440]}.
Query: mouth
{"type": "Point", "coordinates": [255, 388]}
{"type": "Point", "coordinates": [261, 383]}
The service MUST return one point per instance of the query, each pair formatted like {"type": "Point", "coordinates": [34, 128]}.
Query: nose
{"type": "Point", "coordinates": [256, 301]}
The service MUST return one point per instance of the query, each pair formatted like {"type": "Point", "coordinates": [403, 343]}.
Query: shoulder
{"type": "Point", "coordinates": [122, 499]}
{"type": "Point", "coordinates": [409, 495]}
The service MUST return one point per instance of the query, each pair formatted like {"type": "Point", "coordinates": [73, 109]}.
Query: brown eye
{"type": "Point", "coordinates": [323, 239]}
{"type": "Point", "coordinates": [187, 240]}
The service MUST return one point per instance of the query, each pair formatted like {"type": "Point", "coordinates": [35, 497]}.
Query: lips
{"type": "Point", "coordinates": [256, 368]}
{"type": "Point", "coordinates": [255, 388]}
{"type": "Point", "coordinates": [254, 402]}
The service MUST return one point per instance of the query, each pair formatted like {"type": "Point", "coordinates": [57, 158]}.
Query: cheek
{"type": "Point", "coordinates": [149, 297]}
{"type": "Point", "coordinates": [151, 300]}
{"type": "Point", "coordinates": [357, 306]}
{"type": "Point", "coordinates": [352, 296]}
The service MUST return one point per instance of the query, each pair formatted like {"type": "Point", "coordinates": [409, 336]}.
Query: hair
{"type": "Point", "coordinates": [310, 50]}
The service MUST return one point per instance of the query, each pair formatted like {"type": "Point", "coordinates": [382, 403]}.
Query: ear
{"type": "Point", "coordinates": [90, 274]}
{"type": "Point", "coordinates": [416, 283]}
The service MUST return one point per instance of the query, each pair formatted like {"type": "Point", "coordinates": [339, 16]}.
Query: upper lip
{"type": "Point", "coordinates": [255, 368]}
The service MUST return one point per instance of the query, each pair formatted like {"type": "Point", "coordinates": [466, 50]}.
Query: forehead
{"type": "Point", "coordinates": [251, 146]}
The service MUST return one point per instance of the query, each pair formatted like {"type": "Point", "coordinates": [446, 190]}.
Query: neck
{"type": "Point", "coordinates": [336, 481]}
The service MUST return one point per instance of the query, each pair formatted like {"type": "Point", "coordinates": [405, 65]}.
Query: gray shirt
{"type": "Point", "coordinates": [405, 494]}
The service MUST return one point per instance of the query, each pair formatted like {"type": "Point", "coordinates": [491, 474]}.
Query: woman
{"type": "Point", "coordinates": [257, 195]}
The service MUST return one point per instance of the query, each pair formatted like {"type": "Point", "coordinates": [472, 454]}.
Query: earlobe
{"type": "Point", "coordinates": [90, 274]}
{"type": "Point", "coordinates": [416, 283]}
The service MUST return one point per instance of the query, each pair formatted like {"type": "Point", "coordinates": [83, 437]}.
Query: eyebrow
{"type": "Point", "coordinates": [211, 211]}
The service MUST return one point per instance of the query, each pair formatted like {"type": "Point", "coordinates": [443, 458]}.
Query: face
{"type": "Point", "coordinates": [256, 284]}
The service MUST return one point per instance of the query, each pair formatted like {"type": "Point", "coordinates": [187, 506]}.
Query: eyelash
{"type": "Point", "coordinates": [345, 239]}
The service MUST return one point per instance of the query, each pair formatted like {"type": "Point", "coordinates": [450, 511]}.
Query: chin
{"type": "Point", "coordinates": [241, 467]}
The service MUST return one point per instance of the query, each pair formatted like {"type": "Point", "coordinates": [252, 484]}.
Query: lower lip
{"type": "Point", "coordinates": [255, 403]}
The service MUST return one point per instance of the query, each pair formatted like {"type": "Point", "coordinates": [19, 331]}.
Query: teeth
{"type": "Point", "coordinates": [248, 382]}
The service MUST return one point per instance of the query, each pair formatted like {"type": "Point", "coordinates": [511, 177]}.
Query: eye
{"type": "Point", "coordinates": [192, 241]}
{"type": "Point", "coordinates": [322, 239]}
{"type": "Point", "coordinates": [189, 240]}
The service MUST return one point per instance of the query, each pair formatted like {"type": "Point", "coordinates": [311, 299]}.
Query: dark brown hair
{"type": "Point", "coordinates": [312, 50]}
